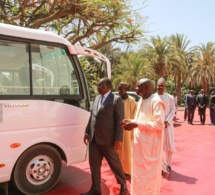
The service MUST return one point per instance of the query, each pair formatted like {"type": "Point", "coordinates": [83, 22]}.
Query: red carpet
{"type": "Point", "coordinates": [193, 162]}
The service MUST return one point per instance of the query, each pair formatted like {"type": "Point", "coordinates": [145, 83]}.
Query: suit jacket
{"type": "Point", "coordinates": [105, 123]}
{"type": "Point", "coordinates": [185, 99]}
{"type": "Point", "coordinates": [212, 101]}
{"type": "Point", "coordinates": [202, 100]}
{"type": "Point", "coordinates": [191, 101]}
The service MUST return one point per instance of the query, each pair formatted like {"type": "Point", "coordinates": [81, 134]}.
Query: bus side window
{"type": "Point", "coordinates": [52, 69]}
{"type": "Point", "coordinates": [14, 57]}
{"type": "Point", "coordinates": [4, 84]}
{"type": "Point", "coordinates": [64, 90]}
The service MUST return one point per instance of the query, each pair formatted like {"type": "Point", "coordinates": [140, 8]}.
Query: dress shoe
{"type": "Point", "coordinates": [91, 193]}
{"type": "Point", "coordinates": [123, 189]}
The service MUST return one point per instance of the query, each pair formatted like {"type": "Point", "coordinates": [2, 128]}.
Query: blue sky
{"type": "Point", "coordinates": [193, 18]}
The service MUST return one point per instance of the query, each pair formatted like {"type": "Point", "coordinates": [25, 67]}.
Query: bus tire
{"type": "Point", "coordinates": [37, 170]}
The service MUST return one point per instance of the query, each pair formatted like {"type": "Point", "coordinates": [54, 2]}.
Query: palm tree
{"type": "Point", "coordinates": [156, 52]}
{"type": "Point", "coordinates": [132, 67]}
{"type": "Point", "coordinates": [202, 67]}
{"type": "Point", "coordinates": [160, 56]}
{"type": "Point", "coordinates": [179, 46]}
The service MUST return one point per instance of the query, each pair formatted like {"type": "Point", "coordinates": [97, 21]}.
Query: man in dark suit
{"type": "Point", "coordinates": [212, 106]}
{"type": "Point", "coordinates": [202, 101]}
{"type": "Point", "coordinates": [185, 105]}
{"type": "Point", "coordinates": [104, 134]}
{"type": "Point", "coordinates": [191, 104]}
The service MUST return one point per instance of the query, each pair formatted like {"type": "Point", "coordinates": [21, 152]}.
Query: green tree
{"type": "Point", "coordinates": [201, 71]}
{"type": "Point", "coordinates": [159, 56]}
{"type": "Point", "coordinates": [179, 46]}
{"type": "Point", "coordinates": [93, 23]}
{"type": "Point", "coordinates": [132, 67]}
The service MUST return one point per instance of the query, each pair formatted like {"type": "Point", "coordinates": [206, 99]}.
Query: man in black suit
{"type": "Point", "coordinates": [191, 104]}
{"type": "Point", "coordinates": [185, 105]}
{"type": "Point", "coordinates": [104, 134]}
{"type": "Point", "coordinates": [202, 101]}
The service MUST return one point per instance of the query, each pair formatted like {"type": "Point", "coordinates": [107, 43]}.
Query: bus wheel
{"type": "Point", "coordinates": [37, 170]}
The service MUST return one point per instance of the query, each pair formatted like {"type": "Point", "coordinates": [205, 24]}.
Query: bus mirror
{"type": "Point", "coordinates": [77, 50]}
{"type": "Point", "coordinates": [97, 60]}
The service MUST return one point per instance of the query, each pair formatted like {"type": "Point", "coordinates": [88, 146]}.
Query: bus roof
{"type": "Point", "coordinates": [34, 34]}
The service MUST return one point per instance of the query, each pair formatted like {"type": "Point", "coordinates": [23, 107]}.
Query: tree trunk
{"type": "Point", "coordinates": [179, 87]}
{"type": "Point", "coordinates": [205, 85]}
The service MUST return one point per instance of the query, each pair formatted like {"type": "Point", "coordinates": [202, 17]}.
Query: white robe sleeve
{"type": "Point", "coordinates": [170, 115]}
{"type": "Point", "coordinates": [157, 123]}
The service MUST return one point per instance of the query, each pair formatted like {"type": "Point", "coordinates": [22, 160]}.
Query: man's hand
{"type": "Point", "coordinates": [117, 145]}
{"type": "Point", "coordinates": [130, 126]}
{"type": "Point", "coordinates": [86, 139]}
{"type": "Point", "coordinates": [124, 122]}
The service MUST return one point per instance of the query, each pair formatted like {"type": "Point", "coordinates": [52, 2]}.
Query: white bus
{"type": "Point", "coordinates": [44, 107]}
